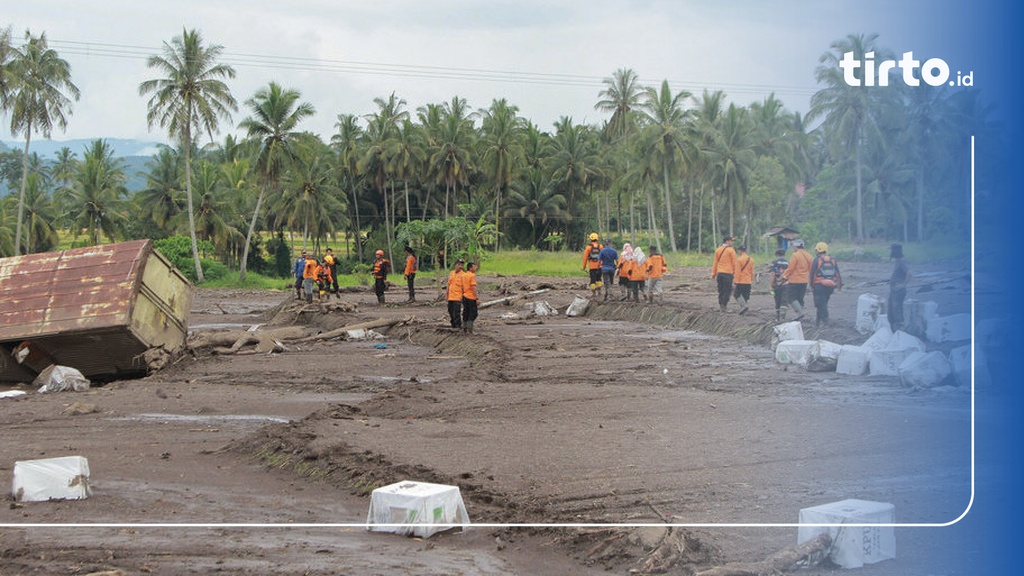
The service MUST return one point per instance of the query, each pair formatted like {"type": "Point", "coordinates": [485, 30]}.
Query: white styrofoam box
{"type": "Point", "coordinates": [416, 508]}
{"type": "Point", "coordinates": [794, 351]}
{"type": "Point", "coordinates": [853, 360]}
{"type": "Point", "coordinates": [879, 340]}
{"type": "Point", "coordinates": [787, 331]}
{"type": "Point", "coordinates": [578, 307]}
{"type": "Point", "coordinates": [852, 546]}
{"type": "Point", "coordinates": [917, 314]}
{"type": "Point", "coordinates": [949, 328]}
{"type": "Point", "coordinates": [823, 356]}
{"type": "Point", "coordinates": [960, 360]}
{"type": "Point", "coordinates": [925, 369]}
{"type": "Point", "coordinates": [882, 322]}
{"type": "Point", "coordinates": [869, 306]}
{"type": "Point", "coordinates": [65, 478]}
{"type": "Point", "coordinates": [902, 341]}
{"type": "Point", "coordinates": [887, 362]}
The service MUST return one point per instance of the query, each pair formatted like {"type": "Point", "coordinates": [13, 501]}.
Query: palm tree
{"type": "Point", "coordinates": [39, 86]}
{"type": "Point", "coordinates": [406, 155]}
{"type": "Point", "coordinates": [276, 112]}
{"type": "Point", "coordinates": [6, 75]}
{"type": "Point", "coordinates": [161, 201]}
{"type": "Point", "coordinates": [621, 96]}
{"type": "Point", "coordinates": [451, 161]}
{"type": "Point", "coordinates": [574, 160]}
{"type": "Point", "coordinates": [40, 215]}
{"type": "Point", "coordinates": [667, 117]}
{"type": "Point", "coordinates": [501, 151]}
{"type": "Point", "coordinates": [97, 199]}
{"type": "Point", "coordinates": [732, 156]}
{"type": "Point", "coordinates": [346, 143]}
{"type": "Point", "coordinates": [191, 98]}
{"type": "Point", "coordinates": [310, 197]}
{"type": "Point", "coordinates": [211, 207]}
{"type": "Point", "coordinates": [846, 110]}
{"type": "Point", "coordinates": [534, 199]}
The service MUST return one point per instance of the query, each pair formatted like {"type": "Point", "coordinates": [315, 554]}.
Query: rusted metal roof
{"type": "Point", "coordinates": [93, 306]}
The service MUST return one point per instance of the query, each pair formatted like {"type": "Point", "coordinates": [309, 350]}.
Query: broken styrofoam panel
{"type": "Point", "coordinates": [869, 306]}
{"type": "Point", "coordinates": [787, 331]}
{"type": "Point", "coordinates": [65, 478]}
{"type": "Point", "coordinates": [540, 309]}
{"type": "Point", "coordinates": [949, 328]}
{"type": "Point", "coordinates": [11, 393]}
{"type": "Point", "coordinates": [853, 360]}
{"type": "Point", "coordinates": [794, 351]}
{"type": "Point", "coordinates": [925, 370]}
{"type": "Point", "coordinates": [823, 357]}
{"type": "Point", "coordinates": [882, 322]}
{"type": "Point", "coordinates": [917, 313]}
{"type": "Point", "coordinates": [578, 307]}
{"type": "Point", "coordinates": [904, 341]}
{"type": "Point", "coordinates": [56, 378]}
{"type": "Point", "coordinates": [887, 362]}
{"type": "Point", "coordinates": [853, 546]}
{"type": "Point", "coordinates": [879, 340]}
{"type": "Point", "coordinates": [416, 508]}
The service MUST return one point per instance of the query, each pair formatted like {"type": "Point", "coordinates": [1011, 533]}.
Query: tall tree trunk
{"type": "Point", "coordinates": [689, 220]}
{"type": "Point", "coordinates": [700, 219]}
{"type": "Point", "coordinates": [860, 209]}
{"type": "Point", "coordinates": [408, 211]}
{"type": "Point", "coordinates": [187, 143]}
{"type": "Point", "coordinates": [248, 236]}
{"type": "Point", "coordinates": [668, 209]}
{"type": "Point", "coordinates": [920, 205]}
{"type": "Point", "coordinates": [654, 222]}
{"type": "Point", "coordinates": [21, 195]}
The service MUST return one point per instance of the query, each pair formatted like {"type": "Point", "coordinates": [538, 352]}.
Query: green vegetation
{"type": "Point", "coordinates": [668, 168]}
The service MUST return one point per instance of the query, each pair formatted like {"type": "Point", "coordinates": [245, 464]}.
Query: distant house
{"type": "Point", "coordinates": [783, 236]}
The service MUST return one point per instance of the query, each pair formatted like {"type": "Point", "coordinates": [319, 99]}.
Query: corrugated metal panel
{"type": "Point", "coordinates": [79, 306]}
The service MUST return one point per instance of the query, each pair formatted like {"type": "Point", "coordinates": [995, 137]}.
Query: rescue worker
{"type": "Point", "coordinates": [609, 262]}
{"type": "Point", "coordinates": [592, 262]}
{"type": "Point", "coordinates": [778, 284]}
{"type": "Point", "coordinates": [309, 271]}
{"type": "Point", "coordinates": [381, 267]}
{"type": "Point", "coordinates": [411, 266]}
{"type": "Point", "coordinates": [331, 262]}
{"type": "Point", "coordinates": [797, 275]}
{"type": "Point", "coordinates": [297, 268]}
{"type": "Point", "coordinates": [825, 279]}
{"type": "Point", "coordinates": [626, 263]}
{"type": "Point", "coordinates": [324, 278]}
{"type": "Point", "coordinates": [655, 268]}
{"type": "Point", "coordinates": [453, 294]}
{"type": "Point", "coordinates": [744, 277]}
{"type": "Point", "coordinates": [722, 269]}
{"type": "Point", "coordinates": [469, 297]}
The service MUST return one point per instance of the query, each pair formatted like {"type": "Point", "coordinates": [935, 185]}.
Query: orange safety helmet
{"type": "Point", "coordinates": [378, 253]}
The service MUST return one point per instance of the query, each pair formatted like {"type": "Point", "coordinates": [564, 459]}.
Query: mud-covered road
{"type": "Point", "coordinates": [631, 414]}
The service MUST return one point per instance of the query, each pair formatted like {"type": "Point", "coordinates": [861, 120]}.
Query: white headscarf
{"type": "Point", "coordinates": [627, 252]}
{"type": "Point", "coordinates": [639, 255]}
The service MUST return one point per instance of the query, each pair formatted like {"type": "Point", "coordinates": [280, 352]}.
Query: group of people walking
{"type": "Point", "coordinates": [637, 274]}
{"type": "Point", "coordinates": [315, 277]}
{"type": "Point", "coordinates": [733, 271]}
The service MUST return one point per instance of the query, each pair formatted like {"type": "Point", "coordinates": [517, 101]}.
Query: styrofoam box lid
{"type": "Point", "coordinates": [851, 509]}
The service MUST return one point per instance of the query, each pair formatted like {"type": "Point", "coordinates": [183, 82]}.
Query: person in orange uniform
{"type": "Point", "coordinates": [309, 271]}
{"type": "Point", "coordinates": [469, 297]}
{"type": "Point", "coordinates": [454, 294]}
{"type": "Point", "coordinates": [411, 266]}
{"type": "Point", "coordinates": [626, 264]}
{"type": "Point", "coordinates": [797, 275]}
{"type": "Point", "coordinates": [592, 262]}
{"type": "Point", "coordinates": [381, 267]}
{"type": "Point", "coordinates": [656, 269]}
{"type": "Point", "coordinates": [743, 279]}
{"type": "Point", "coordinates": [722, 269]}
{"type": "Point", "coordinates": [825, 279]}
{"type": "Point", "coordinates": [324, 278]}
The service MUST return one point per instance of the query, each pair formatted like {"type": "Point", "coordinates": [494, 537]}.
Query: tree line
{"type": "Point", "coordinates": [667, 167]}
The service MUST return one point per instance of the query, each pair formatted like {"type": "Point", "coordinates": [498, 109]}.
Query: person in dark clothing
{"type": "Point", "coordinates": [411, 266]}
{"type": "Point", "coordinates": [609, 257]}
{"type": "Point", "coordinates": [897, 287]}
{"type": "Point", "coordinates": [331, 262]}
{"type": "Point", "coordinates": [825, 279]}
{"type": "Point", "coordinates": [297, 269]}
{"type": "Point", "coordinates": [776, 268]}
{"type": "Point", "coordinates": [381, 267]}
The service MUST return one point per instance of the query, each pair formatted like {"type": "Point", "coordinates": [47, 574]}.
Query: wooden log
{"type": "Point", "coordinates": [511, 298]}
{"type": "Point", "coordinates": [378, 323]}
{"type": "Point", "coordinates": [782, 561]}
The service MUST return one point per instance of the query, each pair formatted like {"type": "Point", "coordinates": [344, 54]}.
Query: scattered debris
{"type": "Point", "coordinates": [61, 378]}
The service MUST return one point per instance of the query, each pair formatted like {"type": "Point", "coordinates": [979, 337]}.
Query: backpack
{"type": "Point", "coordinates": [826, 267]}
{"type": "Point", "coordinates": [595, 253]}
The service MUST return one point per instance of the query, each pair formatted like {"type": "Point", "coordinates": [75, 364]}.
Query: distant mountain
{"type": "Point", "coordinates": [48, 148]}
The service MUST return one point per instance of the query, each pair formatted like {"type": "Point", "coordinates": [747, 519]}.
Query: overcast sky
{"type": "Point", "coordinates": [546, 57]}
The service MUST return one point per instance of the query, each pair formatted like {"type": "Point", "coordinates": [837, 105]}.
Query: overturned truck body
{"type": "Point", "coordinates": [97, 309]}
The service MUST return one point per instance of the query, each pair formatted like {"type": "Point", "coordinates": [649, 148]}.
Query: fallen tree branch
{"type": "Point", "coordinates": [378, 323]}
{"type": "Point", "coordinates": [511, 298]}
{"type": "Point", "coordinates": [782, 561]}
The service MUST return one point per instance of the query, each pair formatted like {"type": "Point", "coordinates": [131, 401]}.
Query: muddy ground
{"type": "Point", "coordinates": [632, 414]}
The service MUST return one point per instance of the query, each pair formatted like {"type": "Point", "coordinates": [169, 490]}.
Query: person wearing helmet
{"type": "Point", "coordinates": [825, 280]}
{"type": "Point", "coordinates": [796, 276]}
{"type": "Point", "coordinates": [776, 268]}
{"type": "Point", "coordinates": [722, 269]}
{"type": "Point", "coordinates": [592, 262]}
{"type": "Point", "coordinates": [309, 276]}
{"type": "Point", "coordinates": [381, 267]}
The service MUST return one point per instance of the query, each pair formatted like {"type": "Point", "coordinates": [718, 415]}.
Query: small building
{"type": "Point", "coordinates": [96, 309]}
{"type": "Point", "coordinates": [783, 236]}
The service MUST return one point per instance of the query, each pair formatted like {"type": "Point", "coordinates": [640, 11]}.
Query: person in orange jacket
{"type": "Point", "coordinates": [722, 269]}
{"type": "Point", "coordinates": [655, 268]}
{"type": "Point", "coordinates": [743, 278]}
{"type": "Point", "coordinates": [309, 272]}
{"type": "Point", "coordinates": [381, 267]}
{"type": "Point", "coordinates": [592, 263]}
{"type": "Point", "coordinates": [626, 264]}
{"type": "Point", "coordinates": [469, 297]}
{"type": "Point", "coordinates": [411, 266]}
{"type": "Point", "coordinates": [324, 278]}
{"type": "Point", "coordinates": [453, 294]}
{"type": "Point", "coordinates": [797, 275]}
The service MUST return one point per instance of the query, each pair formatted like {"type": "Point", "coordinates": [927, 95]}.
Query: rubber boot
{"type": "Point", "coordinates": [743, 305]}
{"type": "Point", "coordinates": [380, 299]}
{"type": "Point", "coordinates": [723, 307]}
{"type": "Point", "coordinates": [798, 309]}
{"type": "Point", "coordinates": [469, 326]}
{"type": "Point", "coordinates": [309, 298]}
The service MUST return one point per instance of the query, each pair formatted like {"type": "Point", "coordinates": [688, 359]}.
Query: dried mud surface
{"type": "Point", "coordinates": [632, 414]}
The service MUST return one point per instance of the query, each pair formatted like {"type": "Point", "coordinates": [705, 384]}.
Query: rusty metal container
{"type": "Point", "coordinates": [96, 309]}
